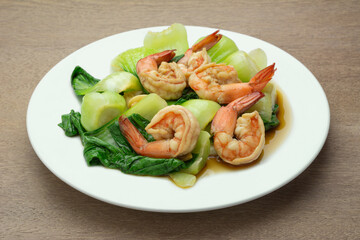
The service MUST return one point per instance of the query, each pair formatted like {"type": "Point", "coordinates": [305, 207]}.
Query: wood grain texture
{"type": "Point", "coordinates": [322, 203]}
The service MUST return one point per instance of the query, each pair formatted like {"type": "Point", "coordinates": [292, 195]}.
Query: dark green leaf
{"type": "Point", "coordinates": [187, 94]}
{"type": "Point", "coordinates": [82, 80]}
{"type": "Point", "coordinates": [177, 58]}
{"type": "Point", "coordinates": [140, 123]}
{"type": "Point", "coordinates": [120, 139]}
{"type": "Point", "coordinates": [69, 123]}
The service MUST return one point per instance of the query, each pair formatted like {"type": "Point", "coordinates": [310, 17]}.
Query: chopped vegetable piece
{"type": "Point", "coordinates": [148, 106]}
{"type": "Point", "coordinates": [118, 153]}
{"type": "Point", "coordinates": [82, 80]}
{"type": "Point", "coordinates": [177, 58]}
{"type": "Point", "coordinates": [174, 37]}
{"type": "Point", "coordinates": [126, 61]}
{"type": "Point", "coordinates": [187, 94]}
{"type": "Point", "coordinates": [202, 149]}
{"type": "Point", "coordinates": [243, 64]}
{"type": "Point", "coordinates": [274, 120]}
{"type": "Point", "coordinates": [259, 57]}
{"type": "Point", "coordinates": [265, 105]}
{"type": "Point", "coordinates": [68, 125]}
{"type": "Point", "coordinates": [140, 123]}
{"type": "Point", "coordinates": [183, 180]}
{"type": "Point", "coordinates": [115, 82]}
{"type": "Point", "coordinates": [220, 51]}
{"type": "Point", "coordinates": [100, 108]}
{"type": "Point", "coordinates": [203, 110]}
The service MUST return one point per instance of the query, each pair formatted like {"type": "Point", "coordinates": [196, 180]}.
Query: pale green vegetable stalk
{"type": "Point", "coordinates": [243, 64]}
{"type": "Point", "coordinates": [203, 110]}
{"type": "Point", "coordinates": [99, 108]}
{"type": "Point", "coordinates": [220, 51]}
{"type": "Point", "coordinates": [126, 61]}
{"type": "Point", "coordinates": [115, 82]}
{"type": "Point", "coordinates": [174, 37]}
{"type": "Point", "coordinates": [259, 57]}
{"type": "Point", "coordinates": [186, 177]}
{"type": "Point", "coordinates": [265, 105]}
{"type": "Point", "coordinates": [202, 150]}
{"type": "Point", "coordinates": [183, 180]}
{"type": "Point", "coordinates": [148, 106]}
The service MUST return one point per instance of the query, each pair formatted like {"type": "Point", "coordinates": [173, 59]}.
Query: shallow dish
{"type": "Point", "coordinates": [62, 155]}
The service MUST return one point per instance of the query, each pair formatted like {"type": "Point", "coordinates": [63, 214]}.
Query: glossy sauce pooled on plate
{"type": "Point", "coordinates": [274, 137]}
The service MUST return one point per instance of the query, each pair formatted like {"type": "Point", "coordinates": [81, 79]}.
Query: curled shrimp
{"type": "Point", "coordinates": [197, 56]}
{"type": "Point", "coordinates": [249, 131]}
{"type": "Point", "coordinates": [167, 80]}
{"type": "Point", "coordinates": [219, 82]}
{"type": "Point", "coordinates": [175, 129]}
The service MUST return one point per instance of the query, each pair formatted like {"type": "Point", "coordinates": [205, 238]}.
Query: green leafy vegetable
{"type": "Point", "coordinates": [274, 122]}
{"type": "Point", "coordinates": [243, 64]}
{"type": "Point", "coordinates": [224, 48]}
{"type": "Point", "coordinates": [174, 37]}
{"type": "Point", "coordinates": [187, 94]}
{"type": "Point", "coordinates": [266, 104]}
{"type": "Point", "coordinates": [183, 180]}
{"type": "Point", "coordinates": [148, 106]}
{"type": "Point", "coordinates": [202, 150]}
{"type": "Point", "coordinates": [259, 57]}
{"type": "Point", "coordinates": [126, 61]}
{"type": "Point", "coordinates": [68, 124]}
{"type": "Point", "coordinates": [140, 123]}
{"type": "Point", "coordinates": [203, 110]}
{"type": "Point", "coordinates": [119, 156]}
{"type": "Point", "coordinates": [82, 80]}
{"type": "Point", "coordinates": [99, 108]}
{"type": "Point", "coordinates": [115, 82]}
{"type": "Point", "coordinates": [177, 58]}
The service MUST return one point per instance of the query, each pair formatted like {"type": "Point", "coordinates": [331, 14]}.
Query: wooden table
{"type": "Point", "coordinates": [322, 203]}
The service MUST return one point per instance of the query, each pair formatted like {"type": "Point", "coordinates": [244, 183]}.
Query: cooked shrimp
{"type": "Point", "coordinates": [168, 81]}
{"type": "Point", "coordinates": [196, 56]}
{"type": "Point", "coordinates": [219, 82]}
{"type": "Point", "coordinates": [249, 131]}
{"type": "Point", "coordinates": [175, 129]}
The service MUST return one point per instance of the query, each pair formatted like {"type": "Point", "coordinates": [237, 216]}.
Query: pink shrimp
{"type": "Point", "coordinates": [249, 131]}
{"type": "Point", "coordinates": [168, 81]}
{"type": "Point", "coordinates": [219, 82]}
{"type": "Point", "coordinates": [175, 129]}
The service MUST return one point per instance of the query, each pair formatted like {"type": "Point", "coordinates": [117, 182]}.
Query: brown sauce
{"type": "Point", "coordinates": [273, 140]}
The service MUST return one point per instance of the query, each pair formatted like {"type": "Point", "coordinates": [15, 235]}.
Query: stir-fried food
{"type": "Point", "coordinates": [248, 129]}
{"type": "Point", "coordinates": [175, 129]}
{"type": "Point", "coordinates": [129, 122]}
{"type": "Point", "coordinates": [219, 82]}
{"type": "Point", "coordinates": [167, 80]}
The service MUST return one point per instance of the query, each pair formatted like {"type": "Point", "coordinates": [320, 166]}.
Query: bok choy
{"type": "Point", "coordinates": [99, 108]}
{"type": "Point", "coordinates": [120, 155]}
{"type": "Point", "coordinates": [84, 83]}
{"type": "Point", "coordinates": [174, 37]}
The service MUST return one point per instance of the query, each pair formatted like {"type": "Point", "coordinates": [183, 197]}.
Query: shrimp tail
{"type": "Point", "coordinates": [132, 134]}
{"type": "Point", "coordinates": [242, 104]}
{"type": "Point", "coordinates": [225, 117]}
{"type": "Point", "coordinates": [164, 56]}
{"type": "Point", "coordinates": [153, 61]}
{"type": "Point", "coordinates": [208, 42]}
{"type": "Point", "coordinates": [259, 81]}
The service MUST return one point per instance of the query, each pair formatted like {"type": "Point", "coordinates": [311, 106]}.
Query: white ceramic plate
{"type": "Point", "coordinates": [62, 155]}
